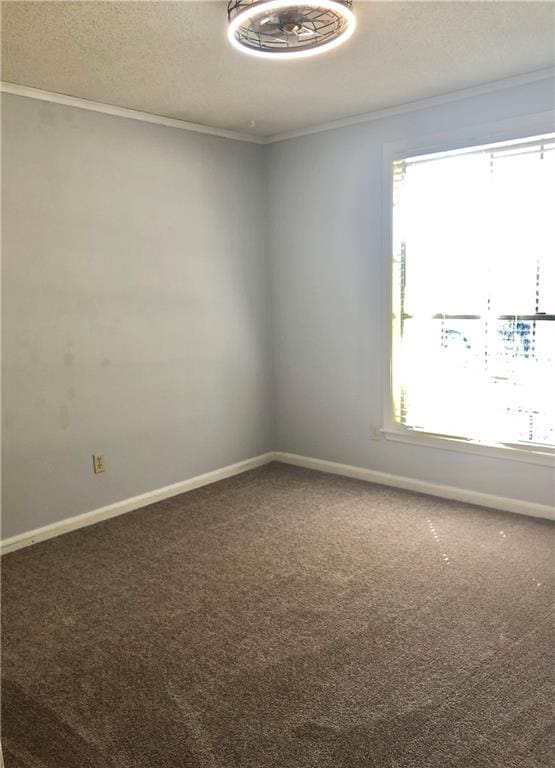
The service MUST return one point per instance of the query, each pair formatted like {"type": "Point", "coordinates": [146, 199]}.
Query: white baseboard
{"type": "Point", "coordinates": [128, 505]}
{"type": "Point", "coordinates": [360, 473]}
{"type": "Point", "coordinates": [412, 484]}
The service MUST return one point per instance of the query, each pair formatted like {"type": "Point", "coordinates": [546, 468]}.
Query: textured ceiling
{"type": "Point", "coordinates": [172, 58]}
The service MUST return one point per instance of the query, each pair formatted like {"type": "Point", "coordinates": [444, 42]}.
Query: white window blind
{"type": "Point", "coordinates": [474, 293]}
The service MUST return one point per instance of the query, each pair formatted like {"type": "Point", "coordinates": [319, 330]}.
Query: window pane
{"type": "Point", "coordinates": [474, 285]}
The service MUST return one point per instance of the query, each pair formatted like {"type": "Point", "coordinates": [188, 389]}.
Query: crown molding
{"type": "Point", "coordinates": [367, 117]}
{"type": "Point", "coordinates": [131, 114]}
{"type": "Point", "coordinates": [414, 106]}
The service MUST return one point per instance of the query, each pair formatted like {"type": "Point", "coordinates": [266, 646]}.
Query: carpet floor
{"type": "Point", "coordinates": [283, 618]}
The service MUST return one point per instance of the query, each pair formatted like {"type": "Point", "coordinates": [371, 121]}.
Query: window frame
{"type": "Point", "coordinates": [498, 131]}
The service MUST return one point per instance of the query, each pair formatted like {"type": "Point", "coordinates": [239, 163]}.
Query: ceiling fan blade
{"type": "Point", "coordinates": [267, 26]}
{"type": "Point", "coordinates": [306, 32]}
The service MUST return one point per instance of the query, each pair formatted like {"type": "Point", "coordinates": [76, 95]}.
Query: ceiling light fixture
{"type": "Point", "coordinates": [289, 29]}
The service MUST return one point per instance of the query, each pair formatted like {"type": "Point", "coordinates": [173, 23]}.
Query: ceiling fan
{"type": "Point", "coordinates": [285, 29]}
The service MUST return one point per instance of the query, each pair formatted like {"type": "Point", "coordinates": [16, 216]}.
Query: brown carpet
{"type": "Point", "coordinates": [283, 619]}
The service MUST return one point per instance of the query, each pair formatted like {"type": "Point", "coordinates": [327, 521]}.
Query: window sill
{"type": "Point", "coordinates": [496, 451]}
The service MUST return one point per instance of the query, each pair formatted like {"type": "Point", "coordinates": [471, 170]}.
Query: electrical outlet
{"type": "Point", "coordinates": [98, 463]}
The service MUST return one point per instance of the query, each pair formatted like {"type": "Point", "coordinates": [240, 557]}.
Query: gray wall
{"type": "Point", "coordinates": [327, 201]}
{"type": "Point", "coordinates": [180, 302]}
{"type": "Point", "coordinates": [135, 299]}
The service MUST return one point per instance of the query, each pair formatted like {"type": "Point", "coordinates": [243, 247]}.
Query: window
{"type": "Point", "coordinates": [474, 294]}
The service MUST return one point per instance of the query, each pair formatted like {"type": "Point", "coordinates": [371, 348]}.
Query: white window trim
{"type": "Point", "coordinates": [503, 130]}
{"type": "Point", "coordinates": [400, 434]}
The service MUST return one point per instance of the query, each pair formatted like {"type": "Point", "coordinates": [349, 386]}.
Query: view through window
{"type": "Point", "coordinates": [474, 293]}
